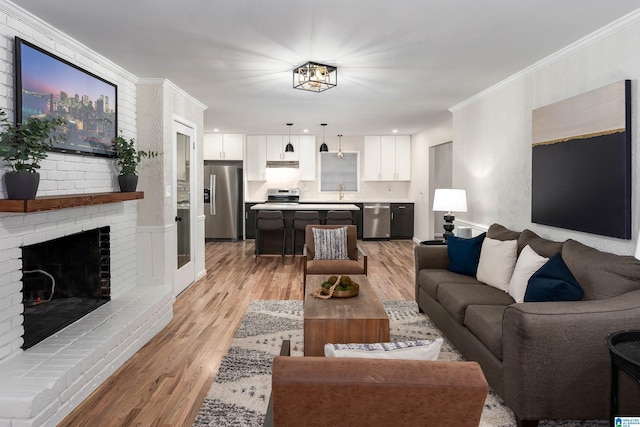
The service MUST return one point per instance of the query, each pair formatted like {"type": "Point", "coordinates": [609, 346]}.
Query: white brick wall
{"type": "Point", "coordinates": [43, 384]}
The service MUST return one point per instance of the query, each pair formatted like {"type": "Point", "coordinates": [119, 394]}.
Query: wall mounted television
{"type": "Point", "coordinates": [47, 85]}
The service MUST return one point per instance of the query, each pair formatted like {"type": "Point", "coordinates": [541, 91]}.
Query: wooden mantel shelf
{"type": "Point", "coordinates": [49, 203]}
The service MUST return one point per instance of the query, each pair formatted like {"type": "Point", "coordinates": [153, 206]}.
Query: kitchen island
{"type": "Point", "coordinates": [272, 240]}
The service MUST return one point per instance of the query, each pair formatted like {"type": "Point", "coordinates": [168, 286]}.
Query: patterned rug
{"type": "Point", "coordinates": [240, 393]}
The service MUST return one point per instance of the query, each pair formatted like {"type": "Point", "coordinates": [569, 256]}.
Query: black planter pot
{"type": "Point", "coordinates": [128, 183]}
{"type": "Point", "coordinates": [21, 185]}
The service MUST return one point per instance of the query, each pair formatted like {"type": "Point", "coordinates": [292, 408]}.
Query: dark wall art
{"type": "Point", "coordinates": [47, 85]}
{"type": "Point", "coordinates": [581, 162]}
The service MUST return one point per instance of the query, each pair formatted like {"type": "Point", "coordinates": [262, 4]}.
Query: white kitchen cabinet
{"type": "Point", "coordinates": [371, 158]}
{"type": "Point", "coordinates": [256, 158]}
{"type": "Point", "coordinates": [276, 145]}
{"type": "Point", "coordinates": [387, 158]}
{"type": "Point", "coordinates": [307, 157]}
{"type": "Point", "coordinates": [219, 146]}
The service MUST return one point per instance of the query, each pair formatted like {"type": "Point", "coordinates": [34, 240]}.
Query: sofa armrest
{"type": "Point", "coordinates": [554, 348]}
{"type": "Point", "coordinates": [285, 350]}
{"type": "Point", "coordinates": [436, 256]}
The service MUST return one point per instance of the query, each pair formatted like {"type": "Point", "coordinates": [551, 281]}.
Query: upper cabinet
{"type": "Point", "coordinates": [264, 148]}
{"type": "Point", "coordinates": [387, 158]}
{"type": "Point", "coordinates": [228, 146]}
{"type": "Point", "coordinates": [277, 144]}
{"type": "Point", "coordinates": [307, 157]}
{"type": "Point", "coordinates": [256, 158]}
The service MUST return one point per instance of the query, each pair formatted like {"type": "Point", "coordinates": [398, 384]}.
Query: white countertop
{"type": "Point", "coordinates": [305, 207]}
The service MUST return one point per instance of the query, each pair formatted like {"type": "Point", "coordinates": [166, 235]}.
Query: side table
{"type": "Point", "coordinates": [433, 242]}
{"type": "Point", "coordinates": [624, 348]}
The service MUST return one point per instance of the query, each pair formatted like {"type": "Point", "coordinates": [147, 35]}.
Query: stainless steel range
{"type": "Point", "coordinates": [290, 196]}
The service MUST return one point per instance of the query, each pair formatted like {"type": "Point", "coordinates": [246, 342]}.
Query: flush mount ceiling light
{"type": "Point", "coordinates": [315, 77]}
{"type": "Point", "coordinates": [323, 146]}
{"type": "Point", "coordinates": [289, 147]}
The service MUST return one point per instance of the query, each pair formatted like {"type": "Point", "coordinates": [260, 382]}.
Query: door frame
{"type": "Point", "coordinates": [186, 275]}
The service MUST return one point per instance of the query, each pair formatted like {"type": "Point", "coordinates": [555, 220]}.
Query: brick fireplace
{"type": "Point", "coordinates": [63, 280]}
{"type": "Point", "coordinates": [44, 381]}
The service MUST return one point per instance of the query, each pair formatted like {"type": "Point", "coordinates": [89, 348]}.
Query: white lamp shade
{"type": "Point", "coordinates": [450, 200]}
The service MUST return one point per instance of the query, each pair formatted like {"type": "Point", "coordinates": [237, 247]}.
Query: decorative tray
{"type": "Point", "coordinates": [343, 294]}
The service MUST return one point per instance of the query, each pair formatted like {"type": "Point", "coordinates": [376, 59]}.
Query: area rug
{"type": "Point", "coordinates": [240, 393]}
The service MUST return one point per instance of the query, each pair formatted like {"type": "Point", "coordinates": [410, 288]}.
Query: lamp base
{"type": "Point", "coordinates": [448, 225]}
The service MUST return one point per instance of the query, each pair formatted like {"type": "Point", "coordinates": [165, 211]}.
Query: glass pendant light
{"type": "Point", "coordinates": [323, 146]}
{"type": "Point", "coordinates": [289, 147]}
{"type": "Point", "coordinates": [340, 153]}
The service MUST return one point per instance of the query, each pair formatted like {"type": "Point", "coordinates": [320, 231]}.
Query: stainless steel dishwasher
{"type": "Point", "coordinates": [376, 219]}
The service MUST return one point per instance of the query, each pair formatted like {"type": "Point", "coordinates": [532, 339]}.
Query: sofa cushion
{"type": "Point", "coordinates": [528, 263]}
{"type": "Point", "coordinates": [553, 282]}
{"type": "Point", "coordinates": [497, 260]}
{"type": "Point", "coordinates": [464, 254]}
{"type": "Point", "coordinates": [544, 247]}
{"type": "Point", "coordinates": [430, 279]}
{"type": "Point", "coordinates": [601, 275]}
{"type": "Point", "coordinates": [455, 298]}
{"type": "Point", "coordinates": [500, 232]}
{"type": "Point", "coordinates": [485, 322]}
{"type": "Point", "coordinates": [403, 350]}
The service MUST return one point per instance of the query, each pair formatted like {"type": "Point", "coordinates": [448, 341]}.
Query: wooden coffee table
{"type": "Point", "coordinates": [360, 319]}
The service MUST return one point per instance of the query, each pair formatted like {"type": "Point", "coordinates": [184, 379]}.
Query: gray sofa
{"type": "Point", "coordinates": [547, 360]}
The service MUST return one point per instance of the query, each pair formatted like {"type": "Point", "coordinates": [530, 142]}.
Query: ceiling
{"type": "Point", "coordinates": [401, 63]}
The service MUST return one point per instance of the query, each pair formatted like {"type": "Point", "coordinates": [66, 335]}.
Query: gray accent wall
{"type": "Point", "coordinates": [492, 131]}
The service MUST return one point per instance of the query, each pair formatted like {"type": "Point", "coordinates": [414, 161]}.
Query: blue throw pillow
{"type": "Point", "coordinates": [464, 254]}
{"type": "Point", "coordinates": [553, 282]}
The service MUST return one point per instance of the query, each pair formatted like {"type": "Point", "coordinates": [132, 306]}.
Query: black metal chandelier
{"type": "Point", "coordinates": [315, 77]}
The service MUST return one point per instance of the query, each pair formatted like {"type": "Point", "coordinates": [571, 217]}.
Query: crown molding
{"type": "Point", "coordinates": [604, 32]}
{"type": "Point", "coordinates": [169, 84]}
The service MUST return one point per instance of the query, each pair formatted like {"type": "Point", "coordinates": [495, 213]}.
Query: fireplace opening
{"type": "Point", "coordinates": [64, 280]}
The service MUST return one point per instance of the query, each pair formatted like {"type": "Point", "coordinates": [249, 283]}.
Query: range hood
{"type": "Point", "coordinates": [282, 164]}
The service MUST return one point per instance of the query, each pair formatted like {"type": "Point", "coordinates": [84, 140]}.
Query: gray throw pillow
{"type": "Point", "coordinates": [330, 243]}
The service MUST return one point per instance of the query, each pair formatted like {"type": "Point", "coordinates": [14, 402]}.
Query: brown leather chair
{"type": "Point", "coordinates": [356, 264]}
{"type": "Point", "coordinates": [328, 391]}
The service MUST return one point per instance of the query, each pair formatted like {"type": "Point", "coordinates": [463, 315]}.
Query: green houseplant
{"type": "Point", "coordinates": [23, 146]}
{"type": "Point", "coordinates": [128, 159]}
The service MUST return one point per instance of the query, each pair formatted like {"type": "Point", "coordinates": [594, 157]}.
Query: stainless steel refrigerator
{"type": "Point", "coordinates": [222, 202]}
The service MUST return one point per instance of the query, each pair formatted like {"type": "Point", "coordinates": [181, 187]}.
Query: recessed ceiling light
{"type": "Point", "coordinates": [216, 130]}
{"type": "Point", "coordinates": [306, 131]}
{"type": "Point", "coordinates": [395, 131]}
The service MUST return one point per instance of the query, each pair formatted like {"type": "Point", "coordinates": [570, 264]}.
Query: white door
{"type": "Point", "coordinates": [184, 149]}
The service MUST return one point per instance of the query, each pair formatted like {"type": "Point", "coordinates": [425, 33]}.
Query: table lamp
{"type": "Point", "coordinates": [449, 200]}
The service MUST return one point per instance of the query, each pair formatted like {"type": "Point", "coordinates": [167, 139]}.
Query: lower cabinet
{"type": "Point", "coordinates": [402, 220]}
{"type": "Point", "coordinates": [249, 221]}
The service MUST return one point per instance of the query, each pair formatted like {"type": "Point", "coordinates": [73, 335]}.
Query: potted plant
{"type": "Point", "coordinates": [23, 146]}
{"type": "Point", "coordinates": [128, 158]}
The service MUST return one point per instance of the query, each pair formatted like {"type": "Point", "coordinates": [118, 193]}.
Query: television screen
{"type": "Point", "coordinates": [49, 86]}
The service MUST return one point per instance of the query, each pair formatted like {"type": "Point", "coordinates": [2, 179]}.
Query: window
{"type": "Point", "coordinates": [336, 171]}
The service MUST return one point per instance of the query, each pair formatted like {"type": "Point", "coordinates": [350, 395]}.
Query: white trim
{"type": "Point", "coordinates": [169, 84]}
{"type": "Point", "coordinates": [596, 36]}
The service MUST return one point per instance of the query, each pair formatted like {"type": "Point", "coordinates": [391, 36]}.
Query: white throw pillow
{"type": "Point", "coordinates": [407, 350]}
{"type": "Point", "coordinates": [497, 261]}
{"type": "Point", "coordinates": [528, 263]}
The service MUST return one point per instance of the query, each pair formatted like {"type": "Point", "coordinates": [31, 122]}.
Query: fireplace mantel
{"type": "Point", "coordinates": [48, 203]}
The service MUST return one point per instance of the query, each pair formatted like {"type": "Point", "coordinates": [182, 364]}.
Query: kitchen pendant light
{"type": "Point", "coordinates": [289, 147]}
{"type": "Point", "coordinates": [323, 146]}
{"type": "Point", "coordinates": [340, 153]}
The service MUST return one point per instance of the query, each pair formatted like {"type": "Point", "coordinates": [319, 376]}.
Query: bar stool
{"type": "Point", "coordinates": [300, 221]}
{"type": "Point", "coordinates": [269, 221]}
{"type": "Point", "coordinates": [339, 218]}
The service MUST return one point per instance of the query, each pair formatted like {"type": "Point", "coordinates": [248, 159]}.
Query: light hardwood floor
{"type": "Point", "coordinates": [165, 382]}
